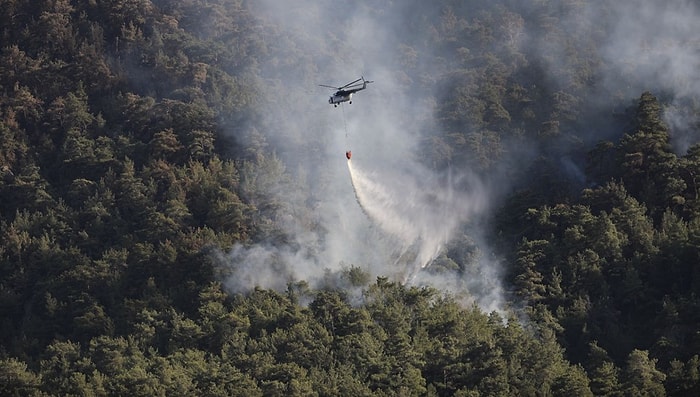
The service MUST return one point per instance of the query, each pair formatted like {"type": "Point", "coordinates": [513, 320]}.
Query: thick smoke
{"type": "Point", "coordinates": [408, 214]}
{"type": "Point", "coordinates": [658, 43]}
{"type": "Point", "coordinates": [662, 41]}
{"type": "Point", "coordinates": [635, 46]}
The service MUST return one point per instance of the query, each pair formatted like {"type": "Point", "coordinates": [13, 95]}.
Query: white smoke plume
{"type": "Point", "coordinates": [410, 214]}
{"type": "Point", "coordinates": [660, 42]}
{"type": "Point", "coordinates": [642, 45]}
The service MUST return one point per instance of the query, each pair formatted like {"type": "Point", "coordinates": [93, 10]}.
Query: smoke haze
{"type": "Point", "coordinates": [400, 215]}
{"type": "Point", "coordinates": [635, 46]}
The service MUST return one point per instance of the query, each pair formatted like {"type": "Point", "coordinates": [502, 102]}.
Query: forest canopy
{"type": "Point", "coordinates": [135, 149]}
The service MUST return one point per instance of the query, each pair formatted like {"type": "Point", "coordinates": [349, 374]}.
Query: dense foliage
{"type": "Point", "coordinates": [118, 181]}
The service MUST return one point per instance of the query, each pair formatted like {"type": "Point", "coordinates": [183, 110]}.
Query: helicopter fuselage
{"type": "Point", "coordinates": [344, 93]}
{"type": "Point", "coordinates": [340, 97]}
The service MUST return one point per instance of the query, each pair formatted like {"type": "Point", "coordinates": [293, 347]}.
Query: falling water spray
{"type": "Point", "coordinates": [422, 220]}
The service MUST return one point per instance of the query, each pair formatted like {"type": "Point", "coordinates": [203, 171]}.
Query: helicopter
{"type": "Point", "coordinates": [344, 93]}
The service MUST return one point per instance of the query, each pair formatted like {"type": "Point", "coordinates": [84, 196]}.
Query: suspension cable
{"type": "Point", "coordinates": [344, 123]}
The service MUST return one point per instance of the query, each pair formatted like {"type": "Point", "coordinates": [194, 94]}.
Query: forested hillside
{"type": "Point", "coordinates": [137, 149]}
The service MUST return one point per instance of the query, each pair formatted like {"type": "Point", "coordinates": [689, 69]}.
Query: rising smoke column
{"type": "Point", "coordinates": [408, 212]}
{"type": "Point", "coordinates": [644, 45]}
